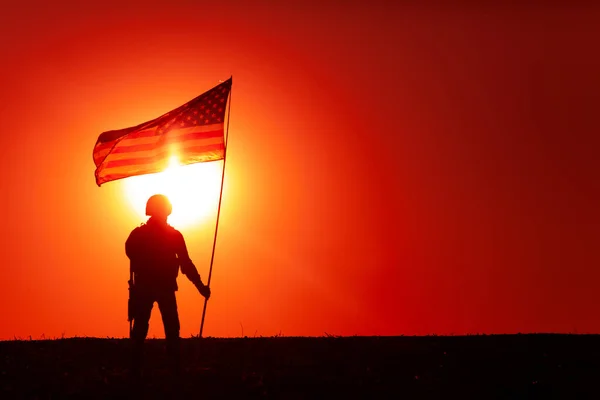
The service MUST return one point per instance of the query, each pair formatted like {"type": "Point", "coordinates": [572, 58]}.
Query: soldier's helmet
{"type": "Point", "coordinates": [158, 205]}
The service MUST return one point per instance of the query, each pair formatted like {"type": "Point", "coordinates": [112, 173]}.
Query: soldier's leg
{"type": "Point", "coordinates": [144, 304]}
{"type": "Point", "coordinates": [167, 304]}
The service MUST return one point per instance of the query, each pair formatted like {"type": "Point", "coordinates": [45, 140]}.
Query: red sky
{"type": "Point", "coordinates": [391, 169]}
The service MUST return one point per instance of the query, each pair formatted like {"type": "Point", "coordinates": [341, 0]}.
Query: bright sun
{"type": "Point", "coordinates": [193, 190]}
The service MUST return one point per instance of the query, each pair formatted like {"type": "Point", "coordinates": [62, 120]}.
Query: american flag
{"type": "Point", "coordinates": [193, 133]}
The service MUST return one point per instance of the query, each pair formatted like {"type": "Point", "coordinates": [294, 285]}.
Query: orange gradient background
{"type": "Point", "coordinates": [391, 169]}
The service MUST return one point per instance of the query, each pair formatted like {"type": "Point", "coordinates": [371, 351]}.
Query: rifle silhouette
{"type": "Point", "coordinates": [131, 301]}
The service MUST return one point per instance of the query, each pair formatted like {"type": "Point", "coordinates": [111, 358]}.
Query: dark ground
{"type": "Point", "coordinates": [496, 366]}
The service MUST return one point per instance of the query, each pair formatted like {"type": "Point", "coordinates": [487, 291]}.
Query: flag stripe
{"type": "Point", "coordinates": [124, 172]}
{"type": "Point", "coordinates": [142, 152]}
{"type": "Point", "coordinates": [99, 156]}
{"type": "Point", "coordinates": [147, 142]}
{"type": "Point", "coordinates": [175, 131]}
{"type": "Point", "coordinates": [160, 156]}
{"type": "Point", "coordinates": [151, 133]}
{"type": "Point", "coordinates": [149, 169]}
{"type": "Point", "coordinates": [135, 145]}
{"type": "Point", "coordinates": [149, 136]}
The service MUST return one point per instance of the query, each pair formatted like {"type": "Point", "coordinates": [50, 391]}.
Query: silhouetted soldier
{"type": "Point", "coordinates": [157, 251]}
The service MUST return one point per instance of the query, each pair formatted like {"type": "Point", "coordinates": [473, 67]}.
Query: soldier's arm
{"type": "Point", "coordinates": [187, 266]}
{"type": "Point", "coordinates": [131, 244]}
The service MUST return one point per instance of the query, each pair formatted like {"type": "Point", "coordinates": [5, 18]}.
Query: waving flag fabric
{"type": "Point", "coordinates": [193, 132]}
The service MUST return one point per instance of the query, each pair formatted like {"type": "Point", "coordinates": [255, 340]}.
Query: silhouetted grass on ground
{"type": "Point", "coordinates": [499, 366]}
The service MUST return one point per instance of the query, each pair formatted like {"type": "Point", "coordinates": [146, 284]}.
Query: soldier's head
{"type": "Point", "coordinates": [159, 206]}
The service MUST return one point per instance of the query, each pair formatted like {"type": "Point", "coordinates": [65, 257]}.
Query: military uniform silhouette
{"type": "Point", "coordinates": [157, 252]}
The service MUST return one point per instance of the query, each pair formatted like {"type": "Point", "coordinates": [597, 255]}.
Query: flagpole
{"type": "Point", "coordinates": [212, 257]}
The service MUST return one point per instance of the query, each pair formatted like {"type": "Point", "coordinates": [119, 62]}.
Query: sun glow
{"type": "Point", "coordinates": [193, 190]}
